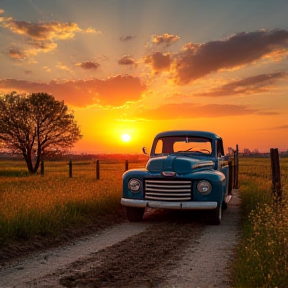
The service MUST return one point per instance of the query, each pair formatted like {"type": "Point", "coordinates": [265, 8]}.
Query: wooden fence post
{"type": "Point", "coordinates": [230, 181]}
{"type": "Point", "coordinates": [70, 169]}
{"type": "Point", "coordinates": [276, 175]}
{"type": "Point", "coordinates": [126, 165]}
{"type": "Point", "coordinates": [236, 167]}
{"type": "Point", "coordinates": [42, 167]}
{"type": "Point", "coordinates": [97, 170]}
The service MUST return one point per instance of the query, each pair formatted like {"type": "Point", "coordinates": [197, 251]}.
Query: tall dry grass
{"type": "Point", "coordinates": [39, 205]}
{"type": "Point", "coordinates": [262, 256]}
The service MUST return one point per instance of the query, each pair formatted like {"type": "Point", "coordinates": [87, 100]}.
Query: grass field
{"type": "Point", "coordinates": [262, 256]}
{"type": "Point", "coordinates": [40, 205]}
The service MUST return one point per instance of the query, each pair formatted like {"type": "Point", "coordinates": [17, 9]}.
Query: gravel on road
{"type": "Point", "coordinates": [168, 249]}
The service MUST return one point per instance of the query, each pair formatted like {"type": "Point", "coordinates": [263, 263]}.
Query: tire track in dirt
{"type": "Point", "coordinates": [207, 264]}
{"type": "Point", "coordinates": [179, 253]}
{"type": "Point", "coordinates": [26, 272]}
{"type": "Point", "coordinates": [137, 260]}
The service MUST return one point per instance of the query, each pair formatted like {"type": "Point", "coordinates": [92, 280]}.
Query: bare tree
{"type": "Point", "coordinates": [35, 125]}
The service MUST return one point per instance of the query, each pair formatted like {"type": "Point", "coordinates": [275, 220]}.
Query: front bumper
{"type": "Point", "coordinates": [189, 205]}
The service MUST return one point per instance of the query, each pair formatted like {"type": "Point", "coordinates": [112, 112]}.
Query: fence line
{"type": "Point", "coordinates": [97, 167]}
{"type": "Point", "coordinates": [104, 164]}
{"type": "Point", "coordinates": [233, 168]}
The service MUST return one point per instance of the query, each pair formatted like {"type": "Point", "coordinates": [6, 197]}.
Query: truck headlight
{"type": "Point", "coordinates": [134, 185]}
{"type": "Point", "coordinates": [204, 187]}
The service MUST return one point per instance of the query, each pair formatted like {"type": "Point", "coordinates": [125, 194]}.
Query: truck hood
{"type": "Point", "coordinates": [178, 164]}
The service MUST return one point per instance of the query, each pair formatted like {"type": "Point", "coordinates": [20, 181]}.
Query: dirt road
{"type": "Point", "coordinates": [168, 249]}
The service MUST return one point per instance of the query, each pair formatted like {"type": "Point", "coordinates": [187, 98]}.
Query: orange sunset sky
{"type": "Point", "coordinates": [143, 67]}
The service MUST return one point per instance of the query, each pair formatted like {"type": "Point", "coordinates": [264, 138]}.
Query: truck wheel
{"type": "Point", "coordinates": [215, 215]}
{"type": "Point", "coordinates": [224, 205]}
{"type": "Point", "coordinates": [134, 214]}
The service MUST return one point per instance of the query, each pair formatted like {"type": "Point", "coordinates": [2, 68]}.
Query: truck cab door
{"type": "Point", "coordinates": [223, 167]}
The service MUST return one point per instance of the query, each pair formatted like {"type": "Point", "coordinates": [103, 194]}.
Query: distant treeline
{"type": "Point", "coordinates": [81, 157]}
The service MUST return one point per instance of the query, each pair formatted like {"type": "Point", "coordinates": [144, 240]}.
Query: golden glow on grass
{"type": "Point", "coordinates": [262, 252]}
{"type": "Point", "coordinates": [34, 205]}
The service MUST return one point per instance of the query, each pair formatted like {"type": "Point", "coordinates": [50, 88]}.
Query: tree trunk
{"type": "Point", "coordinates": [37, 163]}
{"type": "Point", "coordinates": [28, 159]}
{"type": "Point", "coordinates": [29, 163]}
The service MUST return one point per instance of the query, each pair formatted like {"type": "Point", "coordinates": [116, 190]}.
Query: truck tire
{"type": "Point", "coordinates": [215, 215]}
{"type": "Point", "coordinates": [224, 205]}
{"type": "Point", "coordinates": [135, 214]}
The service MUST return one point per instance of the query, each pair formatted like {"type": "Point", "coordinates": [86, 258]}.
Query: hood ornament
{"type": "Point", "coordinates": [168, 173]}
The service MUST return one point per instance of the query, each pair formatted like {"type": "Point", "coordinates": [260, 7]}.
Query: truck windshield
{"type": "Point", "coordinates": [181, 144]}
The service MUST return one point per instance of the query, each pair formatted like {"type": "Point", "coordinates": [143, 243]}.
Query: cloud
{"type": "Point", "coordinates": [17, 54]}
{"type": "Point", "coordinates": [47, 69]}
{"type": "Point", "coordinates": [44, 46]}
{"type": "Point", "coordinates": [282, 127]}
{"type": "Point", "coordinates": [198, 60]}
{"type": "Point", "coordinates": [38, 46]}
{"type": "Point", "coordinates": [43, 30]}
{"type": "Point", "coordinates": [190, 110]}
{"type": "Point", "coordinates": [268, 113]}
{"type": "Point", "coordinates": [126, 60]}
{"type": "Point", "coordinates": [159, 61]}
{"type": "Point", "coordinates": [165, 39]}
{"type": "Point", "coordinates": [88, 65]}
{"type": "Point", "coordinates": [126, 38]}
{"type": "Point", "coordinates": [249, 85]}
{"type": "Point", "coordinates": [91, 30]}
{"type": "Point", "coordinates": [113, 91]}
{"type": "Point", "coordinates": [41, 36]}
{"type": "Point", "coordinates": [64, 67]}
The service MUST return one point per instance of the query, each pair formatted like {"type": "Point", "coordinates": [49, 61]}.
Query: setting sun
{"type": "Point", "coordinates": [125, 137]}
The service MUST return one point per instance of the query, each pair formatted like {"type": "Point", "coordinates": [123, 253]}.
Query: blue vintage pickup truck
{"type": "Point", "coordinates": [186, 170]}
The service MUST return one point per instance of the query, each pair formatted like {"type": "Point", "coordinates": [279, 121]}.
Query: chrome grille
{"type": "Point", "coordinates": [168, 190]}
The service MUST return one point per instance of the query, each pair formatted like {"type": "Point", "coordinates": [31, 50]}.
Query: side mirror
{"type": "Point", "coordinates": [144, 150]}
{"type": "Point", "coordinates": [226, 157]}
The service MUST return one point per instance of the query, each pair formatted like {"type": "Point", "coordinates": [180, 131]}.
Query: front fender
{"type": "Point", "coordinates": [217, 180]}
{"type": "Point", "coordinates": [127, 176]}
